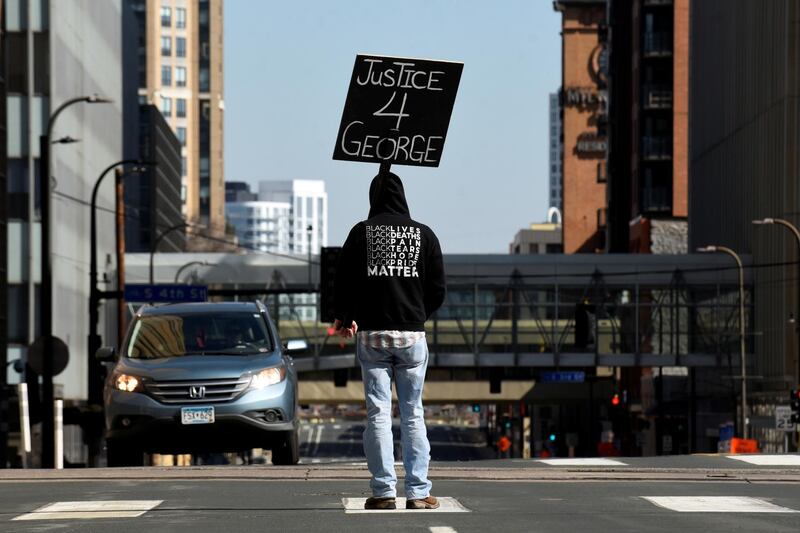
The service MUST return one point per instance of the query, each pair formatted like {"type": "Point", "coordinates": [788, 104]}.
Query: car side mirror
{"type": "Point", "coordinates": [296, 346]}
{"type": "Point", "coordinates": [106, 354]}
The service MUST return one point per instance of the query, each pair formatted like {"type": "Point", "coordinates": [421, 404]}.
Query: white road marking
{"type": "Point", "coordinates": [94, 509]}
{"type": "Point", "coordinates": [582, 461]}
{"type": "Point", "coordinates": [442, 529]}
{"type": "Point", "coordinates": [768, 460]}
{"type": "Point", "coordinates": [337, 426]}
{"type": "Point", "coordinates": [446, 505]}
{"type": "Point", "coordinates": [716, 504]}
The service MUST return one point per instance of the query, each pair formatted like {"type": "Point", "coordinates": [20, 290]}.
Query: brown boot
{"type": "Point", "coordinates": [380, 503]}
{"type": "Point", "coordinates": [423, 503]}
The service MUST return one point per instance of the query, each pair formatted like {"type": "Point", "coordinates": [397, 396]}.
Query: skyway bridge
{"type": "Point", "coordinates": [524, 311]}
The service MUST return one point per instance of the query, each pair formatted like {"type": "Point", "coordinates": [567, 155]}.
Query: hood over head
{"type": "Point", "coordinates": [386, 196]}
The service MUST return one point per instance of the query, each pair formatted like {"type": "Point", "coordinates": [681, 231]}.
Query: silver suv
{"type": "Point", "coordinates": [201, 378]}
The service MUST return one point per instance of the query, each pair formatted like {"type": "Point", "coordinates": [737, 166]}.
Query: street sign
{"type": "Point", "coordinates": [60, 355]}
{"type": "Point", "coordinates": [397, 110]}
{"type": "Point", "coordinates": [166, 293]}
{"type": "Point", "coordinates": [783, 418]}
{"type": "Point", "coordinates": [562, 377]}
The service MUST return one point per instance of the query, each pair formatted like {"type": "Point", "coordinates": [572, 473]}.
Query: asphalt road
{"type": "Point", "coordinates": [341, 441]}
{"type": "Point", "coordinates": [209, 505]}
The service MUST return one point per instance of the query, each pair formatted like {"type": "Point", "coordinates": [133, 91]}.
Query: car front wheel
{"type": "Point", "coordinates": [287, 451]}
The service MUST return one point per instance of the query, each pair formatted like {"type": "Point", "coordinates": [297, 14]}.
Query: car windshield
{"type": "Point", "coordinates": [176, 335]}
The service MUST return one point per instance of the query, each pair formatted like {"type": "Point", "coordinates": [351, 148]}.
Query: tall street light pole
{"type": "Point", "coordinates": [94, 341]}
{"type": "Point", "coordinates": [187, 265]}
{"type": "Point", "coordinates": [791, 227]}
{"type": "Point", "coordinates": [157, 240]}
{"type": "Point", "coordinates": [742, 356]}
{"type": "Point", "coordinates": [46, 303]}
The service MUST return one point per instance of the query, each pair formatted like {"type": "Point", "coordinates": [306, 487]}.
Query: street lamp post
{"type": "Point", "coordinates": [187, 265]}
{"type": "Point", "coordinates": [158, 240]}
{"type": "Point", "coordinates": [742, 356]}
{"type": "Point", "coordinates": [94, 341]}
{"type": "Point", "coordinates": [791, 227]}
{"type": "Point", "coordinates": [46, 304]}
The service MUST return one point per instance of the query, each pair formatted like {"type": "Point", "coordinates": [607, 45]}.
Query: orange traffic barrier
{"type": "Point", "coordinates": [744, 445]}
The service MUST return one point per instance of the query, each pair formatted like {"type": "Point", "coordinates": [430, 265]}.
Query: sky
{"type": "Point", "coordinates": [287, 69]}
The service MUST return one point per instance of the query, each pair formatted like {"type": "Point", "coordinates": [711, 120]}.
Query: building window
{"type": "Point", "coordinates": [181, 134]}
{"type": "Point", "coordinates": [601, 172]}
{"type": "Point", "coordinates": [554, 248]}
{"type": "Point", "coordinates": [180, 17]}
{"type": "Point", "coordinates": [183, 166]}
{"type": "Point", "coordinates": [166, 17]}
{"type": "Point", "coordinates": [166, 106]}
{"type": "Point", "coordinates": [205, 81]}
{"type": "Point", "coordinates": [180, 76]}
{"type": "Point", "coordinates": [166, 76]}
{"type": "Point", "coordinates": [166, 46]}
{"type": "Point", "coordinates": [180, 46]}
{"type": "Point", "coordinates": [180, 107]}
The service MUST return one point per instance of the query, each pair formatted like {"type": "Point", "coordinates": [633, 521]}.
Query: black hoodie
{"type": "Point", "coordinates": [390, 274]}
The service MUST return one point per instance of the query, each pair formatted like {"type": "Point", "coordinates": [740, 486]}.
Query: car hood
{"type": "Point", "coordinates": [197, 366]}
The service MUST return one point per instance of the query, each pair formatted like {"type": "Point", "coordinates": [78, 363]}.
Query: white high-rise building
{"type": "Point", "coordinates": [261, 226]}
{"type": "Point", "coordinates": [279, 221]}
{"type": "Point", "coordinates": [309, 203]}
{"type": "Point", "coordinates": [556, 149]}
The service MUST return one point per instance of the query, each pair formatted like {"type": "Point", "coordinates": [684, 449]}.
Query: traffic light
{"type": "Point", "coordinates": [794, 402]}
{"type": "Point", "coordinates": [329, 256]}
{"type": "Point", "coordinates": [476, 408]}
{"type": "Point", "coordinates": [552, 437]}
{"type": "Point", "coordinates": [615, 399]}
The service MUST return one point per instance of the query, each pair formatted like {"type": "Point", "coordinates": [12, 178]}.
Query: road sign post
{"type": "Point", "coordinates": [783, 418]}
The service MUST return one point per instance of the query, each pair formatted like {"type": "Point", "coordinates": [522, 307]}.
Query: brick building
{"type": "Point", "coordinates": [583, 104]}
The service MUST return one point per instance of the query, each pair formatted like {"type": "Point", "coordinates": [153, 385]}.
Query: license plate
{"type": "Point", "coordinates": [197, 415]}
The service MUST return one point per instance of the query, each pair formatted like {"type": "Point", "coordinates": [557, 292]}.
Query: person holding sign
{"type": "Point", "coordinates": [389, 280]}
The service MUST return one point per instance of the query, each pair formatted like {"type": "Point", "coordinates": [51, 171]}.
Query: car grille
{"type": "Point", "coordinates": [213, 390]}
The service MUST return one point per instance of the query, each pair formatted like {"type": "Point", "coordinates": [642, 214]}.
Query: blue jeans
{"type": "Point", "coordinates": [407, 366]}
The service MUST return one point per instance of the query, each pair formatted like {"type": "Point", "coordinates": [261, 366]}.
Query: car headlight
{"type": "Point", "coordinates": [267, 377]}
{"type": "Point", "coordinates": [127, 383]}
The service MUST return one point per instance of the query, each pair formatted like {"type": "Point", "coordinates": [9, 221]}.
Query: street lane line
{"type": "Point", "coordinates": [582, 461]}
{"type": "Point", "coordinates": [716, 504]}
{"type": "Point", "coordinates": [442, 529]}
{"type": "Point", "coordinates": [768, 460]}
{"type": "Point", "coordinates": [93, 509]}
{"type": "Point", "coordinates": [446, 505]}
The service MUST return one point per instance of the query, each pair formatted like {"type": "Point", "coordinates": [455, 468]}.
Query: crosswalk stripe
{"type": "Point", "coordinates": [768, 460]}
{"type": "Point", "coordinates": [446, 505]}
{"type": "Point", "coordinates": [716, 504]}
{"type": "Point", "coordinates": [90, 509]}
{"type": "Point", "coordinates": [581, 461]}
{"type": "Point", "coordinates": [442, 529]}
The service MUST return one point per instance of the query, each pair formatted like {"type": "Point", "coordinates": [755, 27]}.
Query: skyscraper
{"type": "Point", "coordinates": [180, 72]}
{"type": "Point", "coordinates": [648, 167]}
{"type": "Point", "coordinates": [52, 55]}
{"type": "Point", "coordinates": [309, 209]}
{"type": "Point", "coordinates": [556, 150]}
